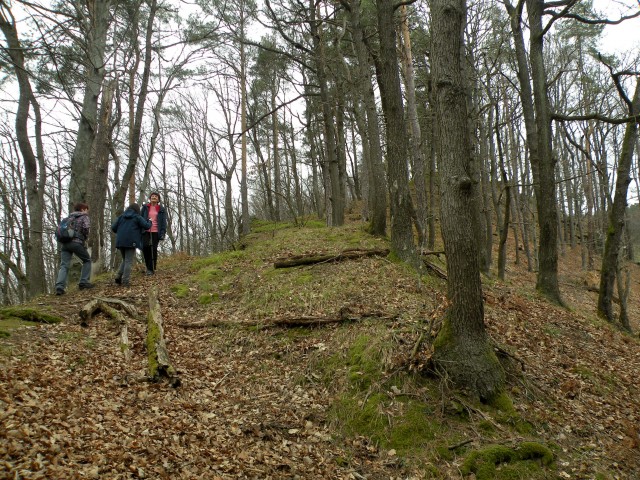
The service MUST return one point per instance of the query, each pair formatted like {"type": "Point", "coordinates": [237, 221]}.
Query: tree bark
{"type": "Point", "coordinates": [94, 72]}
{"type": "Point", "coordinates": [616, 215]}
{"type": "Point", "coordinates": [375, 168]}
{"type": "Point", "coordinates": [34, 167]}
{"type": "Point", "coordinates": [402, 242]}
{"type": "Point", "coordinates": [547, 280]}
{"type": "Point", "coordinates": [462, 350]}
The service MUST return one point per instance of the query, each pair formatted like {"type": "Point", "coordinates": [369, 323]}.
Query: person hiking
{"type": "Point", "coordinates": [157, 214]}
{"type": "Point", "coordinates": [79, 218]}
{"type": "Point", "coordinates": [128, 228]}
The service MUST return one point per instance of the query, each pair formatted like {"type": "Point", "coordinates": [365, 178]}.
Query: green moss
{"type": "Point", "coordinates": [218, 259]}
{"type": "Point", "coordinates": [503, 403]}
{"type": "Point", "coordinates": [363, 361]}
{"type": "Point", "coordinates": [4, 334]}
{"type": "Point", "coordinates": [180, 290]}
{"type": "Point", "coordinates": [486, 426]}
{"type": "Point", "coordinates": [206, 299]}
{"type": "Point", "coordinates": [303, 278]}
{"type": "Point", "coordinates": [584, 372]}
{"type": "Point", "coordinates": [361, 417]}
{"type": "Point", "coordinates": [523, 462]}
{"type": "Point", "coordinates": [413, 429]}
{"type": "Point", "coordinates": [445, 453]}
{"type": "Point", "coordinates": [29, 314]}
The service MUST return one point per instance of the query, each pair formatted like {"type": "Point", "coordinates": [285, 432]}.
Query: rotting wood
{"type": "Point", "coordinates": [102, 304]}
{"type": "Point", "coordinates": [125, 348]}
{"type": "Point", "coordinates": [294, 321]}
{"type": "Point", "coordinates": [159, 365]}
{"type": "Point", "coordinates": [127, 307]}
{"type": "Point", "coordinates": [432, 252]}
{"type": "Point", "coordinates": [439, 272]}
{"type": "Point", "coordinates": [95, 305]}
{"type": "Point", "coordinates": [299, 260]}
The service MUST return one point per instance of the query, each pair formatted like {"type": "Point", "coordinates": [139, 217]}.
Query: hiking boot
{"type": "Point", "coordinates": [149, 272]}
{"type": "Point", "coordinates": [86, 286]}
{"type": "Point", "coordinates": [118, 281]}
{"type": "Point", "coordinates": [59, 291]}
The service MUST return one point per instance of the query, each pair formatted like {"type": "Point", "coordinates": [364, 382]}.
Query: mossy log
{"type": "Point", "coordinates": [29, 315]}
{"type": "Point", "coordinates": [298, 260]}
{"type": "Point", "coordinates": [159, 365]}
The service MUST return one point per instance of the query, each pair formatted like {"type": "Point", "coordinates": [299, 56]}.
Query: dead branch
{"type": "Point", "coordinates": [157, 353]}
{"type": "Point", "coordinates": [102, 304]}
{"type": "Point", "coordinates": [295, 321]}
{"type": "Point", "coordinates": [298, 260]}
{"type": "Point", "coordinates": [97, 304]}
{"type": "Point", "coordinates": [439, 272]}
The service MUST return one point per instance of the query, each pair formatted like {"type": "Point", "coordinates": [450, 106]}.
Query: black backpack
{"type": "Point", "coordinates": [66, 230]}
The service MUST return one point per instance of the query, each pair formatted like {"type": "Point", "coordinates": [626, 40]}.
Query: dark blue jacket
{"type": "Point", "coordinates": [128, 228]}
{"type": "Point", "coordinates": [162, 219]}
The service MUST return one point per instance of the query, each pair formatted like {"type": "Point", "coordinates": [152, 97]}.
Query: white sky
{"type": "Point", "coordinates": [624, 37]}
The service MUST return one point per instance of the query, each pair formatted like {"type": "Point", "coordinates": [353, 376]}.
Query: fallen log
{"type": "Point", "coordinates": [125, 348]}
{"type": "Point", "coordinates": [101, 304]}
{"type": "Point", "coordinates": [298, 260]}
{"type": "Point", "coordinates": [293, 321]}
{"type": "Point", "coordinates": [95, 305]}
{"type": "Point", "coordinates": [438, 271]}
{"type": "Point", "coordinates": [159, 365]}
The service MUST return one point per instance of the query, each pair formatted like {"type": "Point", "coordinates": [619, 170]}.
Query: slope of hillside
{"type": "Point", "coordinates": [348, 399]}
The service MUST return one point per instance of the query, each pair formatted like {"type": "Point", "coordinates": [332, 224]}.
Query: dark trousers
{"type": "Point", "coordinates": [150, 252]}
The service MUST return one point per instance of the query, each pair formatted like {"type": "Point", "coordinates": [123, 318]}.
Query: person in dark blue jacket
{"type": "Point", "coordinates": [128, 228]}
{"type": "Point", "coordinates": [158, 216]}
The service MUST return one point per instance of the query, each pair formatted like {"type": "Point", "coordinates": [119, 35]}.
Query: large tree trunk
{"type": "Point", "coordinates": [98, 176]}
{"type": "Point", "coordinates": [417, 151]}
{"type": "Point", "coordinates": [402, 242]}
{"type": "Point", "coordinates": [616, 215]}
{"type": "Point", "coordinates": [547, 281]}
{"type": "Point", "coordinates": [94, 71]}
{"type": "Point", "coordinates": [462, 349]}
{"type": "Point", "coordinates": [337, 201]}
{"type": "Point", "coordinates": [245, 223]}
{"type": "Point", "coordinates": [34, 167]}
{"type": "Point", "coordinates": [136, 127]}
{"type": "Point", "coordinates": [375, 169]}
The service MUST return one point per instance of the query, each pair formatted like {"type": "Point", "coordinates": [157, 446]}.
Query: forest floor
{"type": "Point", "coordinates": [345, 400]}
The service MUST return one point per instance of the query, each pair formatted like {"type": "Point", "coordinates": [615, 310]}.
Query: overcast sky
{"type": "Point", "coordinates": [625, 36]}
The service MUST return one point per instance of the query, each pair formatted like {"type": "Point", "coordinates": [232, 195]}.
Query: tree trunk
{"type": "Point", "coordinates": [98, 176]}
{"type": "Point", "coordinates": [136, 126]}
{"type": "Point", "coordinates": [337, 202]}
{"type": "Point", "coordinates": [547, 281]}
{"type": "Point", "coordinates": [94, 72]}
{"type": "Point", "coordinates": [417, 152]}
{"type": "Point", "coordinates": [462, 349]}
{"type": "Point", "coordinates": [402, 242]}
{"type": "Point", "coordinates": [34, 168]}
{"type": "Point", "coordinates": [616, 215]}
{"type": "Point", "coordinates": [377, 181]}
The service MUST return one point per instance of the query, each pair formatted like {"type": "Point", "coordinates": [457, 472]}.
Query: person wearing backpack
{"type": "Point", "coordinates": [128, 228]}
{"type": "Point", "coordinates": [158, 216]}
{"type": "Point", "coordinates": [78, 227]}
